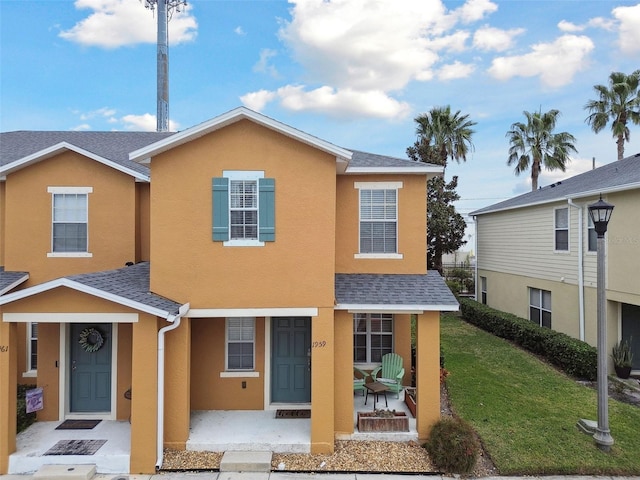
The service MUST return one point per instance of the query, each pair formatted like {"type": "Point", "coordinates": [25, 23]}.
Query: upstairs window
{"type": "Point", "coordinates": [592, 235]}
{"type": "Point", "coordinates": [378, 219]}
{"type": "Point", "coordinates": [372, 336]}
{"type": "Point", "coordinates": [561, 229]}
{"type": "Point", "coordinates": [243, 208]}
{"type": "Point", "coordinates": [69, 231]}
{"type": "Point", "coordinates": [240, 343]}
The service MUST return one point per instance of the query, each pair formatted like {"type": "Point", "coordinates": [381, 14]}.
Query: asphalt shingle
{"type": "Point", "coordinates": [131, 283]}
{"type": "Point", "coordinates": [10, 278]}
{"type": "Point", "coordinates": [393, 289]}
{"type": "Point", "coordinates": [612, 176]}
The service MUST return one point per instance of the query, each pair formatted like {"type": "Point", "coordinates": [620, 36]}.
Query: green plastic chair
{"type": "Point", "coordinates": [390, 373]}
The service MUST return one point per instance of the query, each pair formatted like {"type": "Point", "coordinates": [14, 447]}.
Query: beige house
{"type": "Point", "coordinates": [239, 266]}
{"type": "Point", "coordinates": [536, 255]}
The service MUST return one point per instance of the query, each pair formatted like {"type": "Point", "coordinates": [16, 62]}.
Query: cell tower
{"type": "Point", "coordinates": [165, 9]}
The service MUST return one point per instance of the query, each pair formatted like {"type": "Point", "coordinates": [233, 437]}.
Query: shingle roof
{"type": "Point", "coordinates": [365, 159]}
{"type": "Point", "coordinates": [615, 176]}
{"type": "Point", "coordinates": [395, 290]}
{"type": "Point", "coordinates": [131, 283]}
{"type": "Point", "coordinates": [8, 280]}
{"type": "Point", "coordinates": [113, 146]}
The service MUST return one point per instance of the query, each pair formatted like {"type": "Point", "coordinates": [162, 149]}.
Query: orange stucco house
{"type": "Point", "coordinates": [240, 264]}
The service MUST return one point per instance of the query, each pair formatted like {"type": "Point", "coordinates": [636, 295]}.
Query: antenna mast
{"type": "Point", "coordinates": [165, 11]}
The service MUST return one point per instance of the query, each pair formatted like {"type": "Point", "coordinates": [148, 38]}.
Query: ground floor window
{"type": "Point", "coordinates": [240, 343]}
{"type": "Point", "coordinates": [372, 336]}
{"type": "Point", "coordinates": [540, 307]}
{"type": "Point", "coordinates": [483, 290]}
{"type": "Point", "coordinates": [32, 346]}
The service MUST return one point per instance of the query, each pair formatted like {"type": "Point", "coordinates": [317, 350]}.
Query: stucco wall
{"type": "Point", "coordinates": [293, 271]}
{"type": "Point", "coordinates": [412, 226]}
{"type": "Point", "coordinates": [111, 222]}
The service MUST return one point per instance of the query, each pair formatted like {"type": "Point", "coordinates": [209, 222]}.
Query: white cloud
{"type": "Point", "coordinates": [474, 10]}
{"type": "Point", "coordinates": [82, 127]}
{"type": "Point", "coordinates": [629, 31]}
{"type": "Point", "coordinates": [355, 52]}
{"type": "Point", "coordinates": [491, 38]}
{"type": "Point", "coordinates": [239, 31]}
{"type": "Point", "coordinates": [555, 63]}
{"type": "Point", "coordinates": [257, 100]}
{"type": "Point", "coordinates": [145, 123]}
{"type": "Point", "coordinates": [117, 23]}
{"type": "Point", "coordinates": [263, 65]}
{"type": "Point", "coordinates": [570, 27]}
{"type": "Point", "coordinates": [104, 112]}
{"type": "Point", "coordinates": [346, 102]}
{"type": "Point", "coordinates": [455, 70]}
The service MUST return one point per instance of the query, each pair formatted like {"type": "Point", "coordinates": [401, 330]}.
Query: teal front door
{"type": "Point", "coordinates": [291, 359]}
{"type": "Point", "coordinates": [90, 363]}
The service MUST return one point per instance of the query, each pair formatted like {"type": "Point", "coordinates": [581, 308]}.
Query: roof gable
{"type": "Point", "coordinates": [613, 177]}
{"type": "Point", "coordinates": [23, 148]}
{"type": "Point", "coordinates": [143, 155]}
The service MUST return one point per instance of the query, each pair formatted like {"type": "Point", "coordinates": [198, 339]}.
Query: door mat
{"type": "Point", "coordinates": [78, 424]}
{"type": "Point", "coordinates": [293, 413]}
{"type": "Point", "coordinates": [75, 447]}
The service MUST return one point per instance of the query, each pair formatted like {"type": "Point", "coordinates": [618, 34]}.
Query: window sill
{"type": "Point", "coordinates": [30, 374]}
{"type": "Point", "coordinates": [243, 243]}
{"type": "Point", "coordinates": [386, 256]}
{"type": "Point", "coordinates": [240, 374]}
{"type": "Point", "coordinates": [69, 255]}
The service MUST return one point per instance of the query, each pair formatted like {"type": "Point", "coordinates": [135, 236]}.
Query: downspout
{"type": "Point", "coordinates": [580, 267]}
{"type": "Point", "coordinates": [475, 246]}
{"type": "Point", "coordinates": [175, 319]}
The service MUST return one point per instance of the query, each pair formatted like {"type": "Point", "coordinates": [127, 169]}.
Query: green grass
{"type": "Point", "coordinates": [525, 411]}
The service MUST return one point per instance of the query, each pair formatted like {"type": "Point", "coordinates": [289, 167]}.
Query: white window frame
{"type": "Point", "coordinates": [556, 229]}
{"type": "Point", "coordinates": [378, 186]}
{"type": "Point", "coordinates": [69, 191]}
{"type": "Point", "coordinates": [244, 175]}
{"type": "Point", "coordinates": [368, 334]}
{"type": "Point", "coordinates": [541, 308]}
{"type": "Point", "coordinates": [483, 290]}
{"type": "Point", "coordinates": [31, 372]}
{"type": "Point", "coordinates": [228, 321]}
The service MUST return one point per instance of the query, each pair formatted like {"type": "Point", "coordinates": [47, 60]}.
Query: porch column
{"type": "Point", "coordinates": [322, 381]}
{"type": "Point", "coordinates": [8, 392]}
{"type": "Point", "coordinates": [343, 372]}
{"type": "Point", "coordinates": [177, 385]}
{"type": "Point", "coordinates": [427, 372]}
{"type": "Point", "coordinates": [144, 388]}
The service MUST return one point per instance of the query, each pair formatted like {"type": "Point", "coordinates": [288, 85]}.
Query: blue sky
{"type": "Point", "coordinates": [352, 72]}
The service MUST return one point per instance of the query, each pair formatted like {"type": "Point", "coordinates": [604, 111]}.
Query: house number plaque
{"type": "Point", "coordinates": [320, 344]}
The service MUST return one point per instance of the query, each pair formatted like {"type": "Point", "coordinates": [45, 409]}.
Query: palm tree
{"type": "Point", "coordinates": [445, 134]}
{"type": "Point", "coordinates": [533, 144]}
{"type": "Point", "coordinates": [442, 135]}
{"type": "Point", "coordinates": [619, 103]}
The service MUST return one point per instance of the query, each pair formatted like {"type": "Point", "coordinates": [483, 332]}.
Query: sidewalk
{"type": "Point", "coordinates": [313, 476]}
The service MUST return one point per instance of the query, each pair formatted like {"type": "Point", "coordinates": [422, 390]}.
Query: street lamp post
{"type": "Point", "coordinates": [600, 213]}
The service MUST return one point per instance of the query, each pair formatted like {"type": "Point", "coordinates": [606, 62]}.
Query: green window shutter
{"type": "Point", "coordinates": [267, 202]}
{"type": "Point", "coordinates": [220, 209]}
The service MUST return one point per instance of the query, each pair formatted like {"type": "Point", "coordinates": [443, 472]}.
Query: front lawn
{"type": "Point", "coordinates": [525, 411]}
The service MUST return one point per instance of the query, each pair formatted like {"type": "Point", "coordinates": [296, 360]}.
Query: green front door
{"type": "Point", "coordinates": [291, 359]}
{"type": "Point", "coordinates": [90, 363]}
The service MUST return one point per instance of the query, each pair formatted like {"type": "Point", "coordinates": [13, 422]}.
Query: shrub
{"type": "Point", "coordinates": [24, 419]}
{"type": "Point", "coordinates": [453, 446]}
{"type": "Point", "coordinates": [573, 356]}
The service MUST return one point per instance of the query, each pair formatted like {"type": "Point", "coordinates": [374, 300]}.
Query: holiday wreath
{"type": "Point", "coordinates": [91, 339]}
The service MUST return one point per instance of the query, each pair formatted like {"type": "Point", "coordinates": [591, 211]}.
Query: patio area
{"type": "Point", "coordinates": [216, 431]}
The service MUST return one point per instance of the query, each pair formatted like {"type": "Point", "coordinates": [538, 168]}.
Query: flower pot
{"type": "Point", "coordinates": [623, 372]}
{"type": "Point", "coordinates": [373, 422]}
